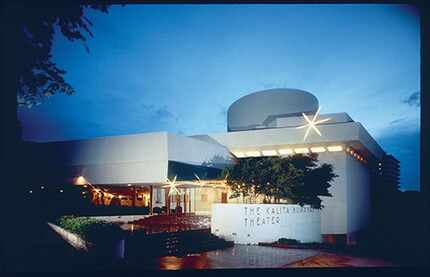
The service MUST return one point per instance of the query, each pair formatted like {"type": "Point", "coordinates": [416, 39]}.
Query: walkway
{"type": "Point", "coordinates": [239, 256]}
{"type": "Point", "coordinates": [336, 260]}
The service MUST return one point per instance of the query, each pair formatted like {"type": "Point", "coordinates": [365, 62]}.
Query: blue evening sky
{"type": "Point", "coordinates": [177, 68]}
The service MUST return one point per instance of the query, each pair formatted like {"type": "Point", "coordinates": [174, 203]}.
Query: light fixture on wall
{"type": "Point", "coordinates": [269, 152]}
{"type": "Point", "coordinates": [81, 181]}
{"type": "Point", "coordinates": [253, 154]}
{"type": "Point", "coordinates": [285, 151]}
{"type": "Point", "coordinates": [319, 149]}
{"type": "Point", "coordinates": [335, 148]}
{"type": "Point", "coordinates": [301, 150]}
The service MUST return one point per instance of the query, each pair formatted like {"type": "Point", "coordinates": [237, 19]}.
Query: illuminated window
{"type": "Point", "coordinates": [335, 148]}
{"type": "Point", "coordinates": [285, 151]}
{"type": "Point", "coordinates": [317, 149]}
{"type": "Point", "coordinates": [269, 153]}
{"type": "Point", "coordinates": [301, 150]}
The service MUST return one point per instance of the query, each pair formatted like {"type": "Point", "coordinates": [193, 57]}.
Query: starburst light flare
{"type": "Point", "coordinates": [312, 123]}
{"type": "Point", "coordinates": [172, 187]}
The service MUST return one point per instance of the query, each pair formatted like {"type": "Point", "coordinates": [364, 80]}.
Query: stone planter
{"type": "Point", "coordinates": [111, 249]}
{"type": "Point", "coordinates": [108, 249]}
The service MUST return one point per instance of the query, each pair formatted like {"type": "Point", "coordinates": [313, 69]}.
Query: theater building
{"type": "Point", "coordinates": [168, 170]}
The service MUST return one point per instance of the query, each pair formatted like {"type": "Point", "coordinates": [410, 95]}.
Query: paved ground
{"type": "Point", "coordinates": [337, 260]}
{"type": "Point", "coordinates": [239, 256]}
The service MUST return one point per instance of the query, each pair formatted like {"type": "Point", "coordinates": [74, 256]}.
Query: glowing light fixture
{"type": "Point", "coordinates": [128, 185]}
{"type": "Point", "coordinates": [301, 150]}
{"type": "Point", "coordinates": [335, 148]}
{"type": "Point", "coordinates": [253, 154]}
{"type": "Point", "coordinates": [81, 181]}
{"type": "Point", "coordinates": [239, 154]}
{"type": "Point", "coordinates": [312, 123]}
{"type": "Point", "coordinates": [42, 187]}
{"type": "Point", "coordinates": [30, 191]}
{"type": "Point", "coordinates": [224, 182]}
{"type": "Point", "coordinates": [269, 153]}
{"type": "Point", "coordinates": [285, 151]}
{"type": "Point", "coordinates": [201, 184]}
{"type": "Point", "coordinates": [317, 149]}
{"type": "Point", "coordinates": [61, 190]}
{"type": "Point", "coordinates": [172, 187]}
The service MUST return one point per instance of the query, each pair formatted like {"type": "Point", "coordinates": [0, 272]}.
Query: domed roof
{"type": "Point", "coordinates": [255, 110]}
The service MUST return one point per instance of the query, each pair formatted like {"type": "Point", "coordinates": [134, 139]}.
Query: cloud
{"type": "Point", "coordinates": [397, 120]}
{"type": "Point", "coordinates": [159, 114]}
{"type": "Point", "coordinates": [413, 100]}
{"type": "Point", "coordinates": [163, 114]}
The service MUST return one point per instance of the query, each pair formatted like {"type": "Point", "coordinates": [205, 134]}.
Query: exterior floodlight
{"type": "Point", "coordinates": [335, 148]}
{"type": "Point", "coordinates": [301, 150]}
{"type": "Point", "coordinates": [253, 154]}
{"type": "Point", "coordinates": [312, 123]}
{"type": "Point", "coordinates": [269, 153]}
{"type": "Point", "coordinates": [317, 149]}
{"type": "Point", "coordinates": [285, 151]}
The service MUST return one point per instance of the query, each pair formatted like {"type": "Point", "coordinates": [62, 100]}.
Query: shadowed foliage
{"type": "Point", "coordinates": [32, 26]}
{"type": "Point", "coordinates": [297, 179]}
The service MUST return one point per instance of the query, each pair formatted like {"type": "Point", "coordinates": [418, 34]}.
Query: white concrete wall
{"type": "Point", "coordinates": [124, 173]}
{"type": "Point", "coordinates": [358, 191]}
{"type": "Point", "coordinates": [117, 160]}
{"type": "Point", "coordinates": [334, 216]}
{"type": "Point", "coordinates": [254, 223]}
{"type": "Point", "coordinates": [341, 133]}
{"type": "Point", "coordinates": [347, 211]}
{"type": "Point", "coordinates": [294, 121]}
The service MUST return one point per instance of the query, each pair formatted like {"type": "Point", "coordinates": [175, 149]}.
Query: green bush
{"type": "Point", "coordinates": [90, 229]}
{"type": "Point", "coordinates": [288, 241]}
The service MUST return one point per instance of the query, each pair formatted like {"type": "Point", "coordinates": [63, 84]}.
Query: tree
{"type": "Point", "coordinates": [30, 37]}
{"type": "Point", "coordinates": [296, 179]}
{"type": "Point", "coordinates": [29, 76]}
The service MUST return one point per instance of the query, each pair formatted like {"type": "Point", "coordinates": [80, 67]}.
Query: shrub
{"type": "Point", "coordinates": [90, 229]}
{"type": "Point", "coordinates": [288, 241]}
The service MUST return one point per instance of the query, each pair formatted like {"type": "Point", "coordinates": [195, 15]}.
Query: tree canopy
{"type": "Point", "coordinates": [30, 35]}
{"type": "Point", "coordinates": [296, 179]}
